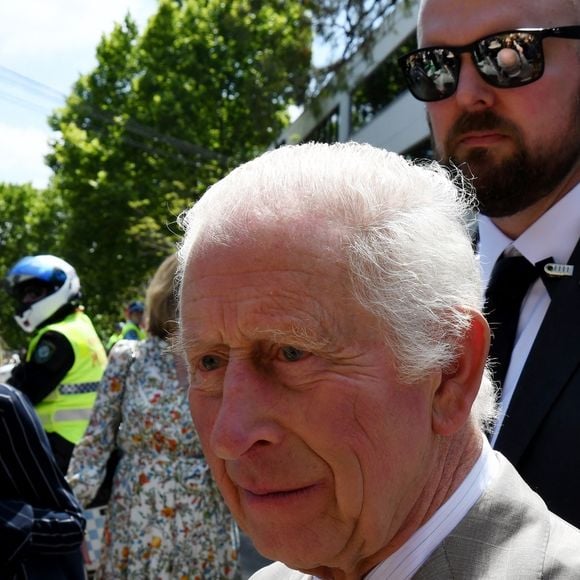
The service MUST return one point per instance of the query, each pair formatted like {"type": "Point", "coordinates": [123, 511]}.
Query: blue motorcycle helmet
{"type": "Point", "coordinates": [41, 285]}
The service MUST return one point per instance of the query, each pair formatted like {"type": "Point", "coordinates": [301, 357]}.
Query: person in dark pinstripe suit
{"type": "Point", "coordinates": [41, 522]}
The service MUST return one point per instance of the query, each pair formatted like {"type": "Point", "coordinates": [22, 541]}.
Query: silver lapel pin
{"type": "Point", "coordinates": [558, 270]}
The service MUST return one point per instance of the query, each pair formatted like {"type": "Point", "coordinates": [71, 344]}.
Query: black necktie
{"type": "Point", "coordinates": [509, 282]}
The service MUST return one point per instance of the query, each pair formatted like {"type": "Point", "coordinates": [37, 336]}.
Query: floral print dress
{"type": "Point", "coordinates": [166, 518]}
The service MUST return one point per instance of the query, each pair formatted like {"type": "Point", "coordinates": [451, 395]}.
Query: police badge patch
{"type": "Point", "coordinates": [44, 352]}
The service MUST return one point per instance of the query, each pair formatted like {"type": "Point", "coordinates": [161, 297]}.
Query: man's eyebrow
{"type": "Point", "coordinates": [294, 335]}
{"type": "Point", "coordinates": [181, 344]}
{"type": "Point", "coordinates": [297, 336]}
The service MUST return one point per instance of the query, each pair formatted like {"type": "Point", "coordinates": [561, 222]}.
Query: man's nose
{"type": "Point", "coordinates": [473, 92]}
{"type": "Point", "coordinates": [250, 410]}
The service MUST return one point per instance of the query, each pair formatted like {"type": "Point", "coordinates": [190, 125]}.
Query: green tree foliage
{"type": "Point", "coordinates": [164, 115]}
{"type": "Point", "coordinates": [29, 225]}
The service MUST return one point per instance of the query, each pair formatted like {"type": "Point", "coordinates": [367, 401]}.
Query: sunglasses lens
{"type": "Point", "coordinates": [431, 73]}
{"type": "Point", "coordinates": [511, 59]}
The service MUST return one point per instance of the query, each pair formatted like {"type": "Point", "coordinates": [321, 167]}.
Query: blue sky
{"type": "Point", "coordinates": [45, 45]}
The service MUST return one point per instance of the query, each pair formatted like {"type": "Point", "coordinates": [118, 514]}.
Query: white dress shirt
{"type": "Point", "coordinates": [555, 234]}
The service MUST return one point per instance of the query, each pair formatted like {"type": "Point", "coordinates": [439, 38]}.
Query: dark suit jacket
{"type": "Point", "coordinates": [41, 522]}
{"type": "Point", "coordinates": [509, 533]}
{"type": "Point", "coordinates": [541, 432]}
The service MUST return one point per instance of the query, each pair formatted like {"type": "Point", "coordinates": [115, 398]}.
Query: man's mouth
{"type": "Point", "coordinates": [291, 498]}
{"type": "Point", "coordinates": [479, 139]}
{"type": "Point", "coordinates": [279, 493]}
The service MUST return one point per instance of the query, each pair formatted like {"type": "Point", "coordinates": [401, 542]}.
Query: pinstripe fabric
{"type": "Point", "coordinates": [41, 523]}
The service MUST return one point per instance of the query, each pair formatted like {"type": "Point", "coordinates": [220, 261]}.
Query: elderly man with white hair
{"type": "Point", "coordinates": [331, 320]}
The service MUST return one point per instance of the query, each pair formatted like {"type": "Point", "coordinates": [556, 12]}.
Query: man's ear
{"type": "Point", "coordinates": [459, 386]}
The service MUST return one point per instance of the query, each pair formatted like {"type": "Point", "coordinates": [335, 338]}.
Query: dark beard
{"type": "Point", "coordinates": [516, 183]}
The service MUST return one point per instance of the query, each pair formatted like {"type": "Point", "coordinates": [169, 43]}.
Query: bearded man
{"type": "Point", "coordinates": [510, 118]}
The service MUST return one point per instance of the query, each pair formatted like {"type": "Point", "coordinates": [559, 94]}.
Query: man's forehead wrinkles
{"type": "Point", "coordinates": [256, 270]}
{"type": "Point", "coordinates": [280, 318]}
{"type": "Point", "coordinates": [287, 301]}
{"type": "Point", "coordinates": [262, 324]}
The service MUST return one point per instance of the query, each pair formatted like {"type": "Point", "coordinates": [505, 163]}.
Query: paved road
{"type": "Point", "coordinates": [250, 559]}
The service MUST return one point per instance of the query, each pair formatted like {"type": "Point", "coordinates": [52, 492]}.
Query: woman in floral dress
{"type": "Point", "coordinates": [165, 518]}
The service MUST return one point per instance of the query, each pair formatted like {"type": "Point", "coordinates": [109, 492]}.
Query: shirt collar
{"type": "Point", "coordinates": [554, 234]}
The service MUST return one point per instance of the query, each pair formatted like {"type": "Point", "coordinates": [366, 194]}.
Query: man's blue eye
{"type": "Point", "coordinates": [292, 354]}
{"type": "Point", "coordinates": [210, 362]}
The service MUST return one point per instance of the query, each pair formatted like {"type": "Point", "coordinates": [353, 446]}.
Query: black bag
{"type": "Point", "coordinates": [104, 494]}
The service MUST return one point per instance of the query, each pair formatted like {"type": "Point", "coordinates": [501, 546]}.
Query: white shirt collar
{"type": "Point", "coordinates": [554, 234]}
{"type": "Point", "coordinates": [417, 549]}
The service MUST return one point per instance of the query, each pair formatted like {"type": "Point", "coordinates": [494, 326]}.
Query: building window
{"type": "Point", "coordinates": [380, 88]}
{"type": "Point", "coordinates": [326, 131]}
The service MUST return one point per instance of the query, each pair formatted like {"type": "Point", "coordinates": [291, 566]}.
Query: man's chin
{"type": "Point", "coordinates": [293, 551]}
{"type": "Point", "coordinates": [477, 161]}
{"type": "Point", "coordinates": [301, 547]}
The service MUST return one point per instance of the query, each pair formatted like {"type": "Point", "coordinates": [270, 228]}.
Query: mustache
{"type": "Point", "coordinates": [479, 121]}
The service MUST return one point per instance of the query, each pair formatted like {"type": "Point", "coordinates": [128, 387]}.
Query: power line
{"type": "Point", "coordinates": [132, 126]}
{"type": "Point", "coordinates": [22, 102]}
{"type": "Point", "coordinates": [17, 79]}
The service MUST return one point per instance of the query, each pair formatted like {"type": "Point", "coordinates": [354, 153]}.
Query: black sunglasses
{"type": "Point", "coordinates": [505, 60]}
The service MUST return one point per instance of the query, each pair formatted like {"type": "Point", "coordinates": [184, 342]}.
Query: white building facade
{"type": "Point", "coordinates": [372, 104]}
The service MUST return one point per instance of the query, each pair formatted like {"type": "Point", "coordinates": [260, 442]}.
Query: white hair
{"type": "Point", "coordinates": [404, 232]}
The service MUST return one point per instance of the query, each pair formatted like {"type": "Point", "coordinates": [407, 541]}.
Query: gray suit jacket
{"type": "Point", "coordinates": [508, 534]}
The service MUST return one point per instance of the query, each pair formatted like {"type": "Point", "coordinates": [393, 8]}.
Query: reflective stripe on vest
{"type": "Point", "coordinates": [78, 388]}
{"type": "Point", "coordinates": [72, 415]}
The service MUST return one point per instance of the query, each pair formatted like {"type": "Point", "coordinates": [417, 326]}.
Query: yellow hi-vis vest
{"type": "Point", "coordinates": [128, 326]}
{"type": "Point", "coordinates": [67, 409]}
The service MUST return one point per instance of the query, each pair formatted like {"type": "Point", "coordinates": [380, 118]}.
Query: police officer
{"type": "Point", "coordinates": [65, 358]}
{"type": "Point", "coordinates": [132, 328]}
